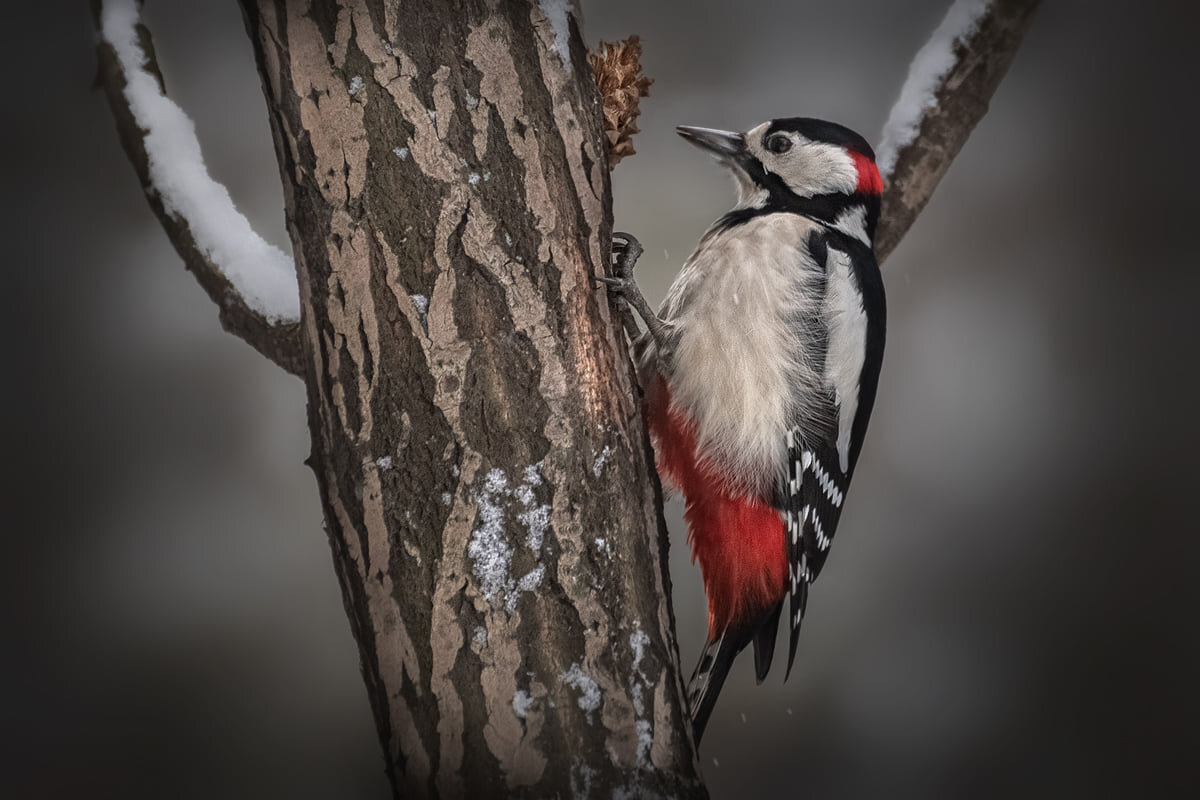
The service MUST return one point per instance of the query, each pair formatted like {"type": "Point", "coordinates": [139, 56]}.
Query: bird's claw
{"type": "Point", "coordinates": [626, 250]}
{"type": "Point", "coordinates": [618, 285]}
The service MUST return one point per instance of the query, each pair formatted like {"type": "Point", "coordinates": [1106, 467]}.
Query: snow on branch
{"type": "Point", "coordinates": [254, 283]}
{"type": "Point", "coordinates": [925, 76]}
{"type": "Point", "coordinates": [949, 85]}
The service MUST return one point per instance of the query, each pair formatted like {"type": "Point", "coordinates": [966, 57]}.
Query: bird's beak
{"type": "Point", "coordinates": [726, 145]}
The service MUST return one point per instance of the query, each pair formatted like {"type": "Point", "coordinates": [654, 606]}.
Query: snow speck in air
{"type": "Point", "coordinates": [589, 691]}
{"type": "Point", "coordinates": [558, 12]}
{"type": "Point", "coordinates": [521, 702]}
{"type": "Point", "coordinates": [421, 302]}
{"type": "Point", "coordinates": [356, 85]}
{"type": "Point", "coordinates": [600, 461]}
{"type": "Point", "coordinates": [384, 462]}
{"type": "Point", "coordinates": [401, 153]}
{"type": "Point", "coordinates": [925, 74]}
{"type": "Point", "coordinates": [716, 763]}
{"type": "Point", "coordinates": [261, 273]}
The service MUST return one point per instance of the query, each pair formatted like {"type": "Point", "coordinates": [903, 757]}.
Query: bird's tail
{"type": "Point", "coordinates": [715, 660]}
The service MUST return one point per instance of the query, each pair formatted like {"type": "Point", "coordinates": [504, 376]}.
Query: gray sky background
{"type": "Point", "coordinates": [1010, 609]}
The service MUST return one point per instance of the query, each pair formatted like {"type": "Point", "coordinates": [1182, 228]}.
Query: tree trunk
{"type": "Point", "coordinates": [488, 484]}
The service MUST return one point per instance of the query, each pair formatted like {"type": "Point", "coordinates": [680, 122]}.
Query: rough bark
{"type": "Point", "coordinates": [490, 497]}
{"type": "Point", "coordinates": [961, 101]}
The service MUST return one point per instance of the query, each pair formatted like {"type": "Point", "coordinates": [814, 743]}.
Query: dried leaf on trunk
{"type": "Point", "coordinates": [622, 84]}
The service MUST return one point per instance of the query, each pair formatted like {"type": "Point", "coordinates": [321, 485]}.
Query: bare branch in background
{"type": "Point", "coordinates": [949, 85]}
{"type": "Point", "coordinates": [252, 282]}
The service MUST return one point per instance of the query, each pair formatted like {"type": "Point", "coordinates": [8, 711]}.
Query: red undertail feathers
{"type": "Point", "coordinates": [738, 540]}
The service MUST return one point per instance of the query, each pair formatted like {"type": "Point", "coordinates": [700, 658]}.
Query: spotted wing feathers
{"type": "Point", "coordinates": [816, 490]}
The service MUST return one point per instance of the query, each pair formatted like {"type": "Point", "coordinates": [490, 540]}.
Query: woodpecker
{"type": "Point", "coordinates": [760, 371]}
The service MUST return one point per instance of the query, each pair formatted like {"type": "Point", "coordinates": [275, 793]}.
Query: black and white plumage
{"type": "Point", "coordinates": [761, 370]}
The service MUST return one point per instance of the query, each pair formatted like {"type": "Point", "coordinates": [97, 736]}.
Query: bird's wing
{"type": "Point", "coordinates": [821, 454]}
{"type": "Point", "coordinates": [816, 491]}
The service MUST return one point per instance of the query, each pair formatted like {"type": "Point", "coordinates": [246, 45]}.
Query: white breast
{"type": "Point", "coordinates": [743, 356]}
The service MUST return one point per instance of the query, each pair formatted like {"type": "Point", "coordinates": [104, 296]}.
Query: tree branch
{"type": "Point", "coordinates": [949, 85]}
{"type": "Point", "coordinates": [252, 282]}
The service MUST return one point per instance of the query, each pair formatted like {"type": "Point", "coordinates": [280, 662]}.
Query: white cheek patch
{"type": "Point", "coordinates": [809, 168]}
{"type": "Point", "coordinates": [812, 168]}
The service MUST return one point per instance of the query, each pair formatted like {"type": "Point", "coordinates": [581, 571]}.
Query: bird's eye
{"type": "Point", "coordinates": [779, 143]}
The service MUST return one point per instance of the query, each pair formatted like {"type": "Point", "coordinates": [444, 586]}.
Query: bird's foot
{"type": "Point", "coordinates": [626, 294]}
{"type": "Point", "coordinates": [626, 250]}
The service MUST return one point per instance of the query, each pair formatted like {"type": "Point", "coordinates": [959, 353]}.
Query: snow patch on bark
{"type": "Point", "coordinates": [925, 74]}
{"type": "Point", "coordinates": [558, 14]}
{"type": "Point", "coordinates": [489, 548]}
{"type": "Point", "coordinates": [261, 273]}
{"type": "Point", "coordinates": [638, 640]}
{"type": "Point", "coordinates": [601, 460]}
{"type": "Point", "coordinates": [521, 703]}
{"type": "Point", "coordinates": [589, 690]}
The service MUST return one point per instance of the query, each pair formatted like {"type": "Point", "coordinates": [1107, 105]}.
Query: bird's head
{"type": "Point", "coordinates": [798, 163]}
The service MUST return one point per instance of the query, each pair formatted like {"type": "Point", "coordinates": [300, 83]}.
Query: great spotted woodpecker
{"type": "Point", "coordinates": [760, 373]}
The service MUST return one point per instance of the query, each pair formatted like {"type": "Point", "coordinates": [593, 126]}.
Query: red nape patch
{"type": "Point", "coordinates": [739, 541]}
{"type": "Point", "coordinates": [869, 180]}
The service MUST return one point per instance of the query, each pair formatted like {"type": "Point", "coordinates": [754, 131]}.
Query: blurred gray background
{"type": "Point", "coordinates": [1011, 607]}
